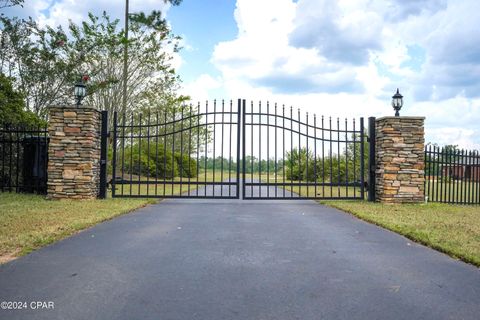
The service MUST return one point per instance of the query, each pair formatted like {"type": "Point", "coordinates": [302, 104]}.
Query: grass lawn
{"type": "Point", "coordinates": [28, 222]}
{"type": "Point", "coordinates": [170, 187]}
{"type": "Point", "coordinates": [310, 191]}
{"type": "Point", "coordinates": [453, 229]}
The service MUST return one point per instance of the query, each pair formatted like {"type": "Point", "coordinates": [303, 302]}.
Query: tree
{"type": "Point", "coordinates": [12, 107]}
{"type": "Point", "coordinates": [41, 62]}
{"type": "Point", "coordinates": [10, 3]}
{"type": "Point", "coordinates": [354, 153]}
{"type": "Point", "coordinates": [296, 165]}
{"type": "Point", "coordinates": [152, 82]}
{"type": "Point", "coordinates": [46, 62]}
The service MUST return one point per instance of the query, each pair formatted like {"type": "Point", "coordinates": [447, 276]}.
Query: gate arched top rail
{"type": "Point", "coordinates": [283, 117]}
{"type": "Point", "coordinates": [185, 119]}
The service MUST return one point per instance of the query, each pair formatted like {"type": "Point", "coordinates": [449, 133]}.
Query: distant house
{"type": "Point", "coordinates": [468, 169]}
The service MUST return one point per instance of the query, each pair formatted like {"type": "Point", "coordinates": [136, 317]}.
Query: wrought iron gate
{"type": "Point", "coordinates": [300, 157]}
{"type": "Point", "coordinates": [188, 152]}
{"type": "Point", "coordinates": [199, 152]}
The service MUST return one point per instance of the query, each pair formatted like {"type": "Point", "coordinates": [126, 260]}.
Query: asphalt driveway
{"type": "Point", "coordinates": [234, 259]}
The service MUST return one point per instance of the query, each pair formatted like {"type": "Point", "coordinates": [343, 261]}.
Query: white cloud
{"type": "Point", "coordinates": [59, 12]}
{"type": "Point", "coordinates": [340, 58]}
{"type": "Point", "coordinates": [346, 58]}
{"type": "Point", "coordinates": [200, 88]}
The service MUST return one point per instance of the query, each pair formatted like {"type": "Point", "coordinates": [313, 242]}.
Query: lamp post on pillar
{"type": "Point", "coordinates": [397, 103]}
{"type": "Point", "coordinates": [80, 92]}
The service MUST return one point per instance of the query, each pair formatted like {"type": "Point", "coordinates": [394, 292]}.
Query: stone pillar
{"type": "Point", "coordinates": [400, 173]}
{"type": "Point", "coordinates": [73, 153]}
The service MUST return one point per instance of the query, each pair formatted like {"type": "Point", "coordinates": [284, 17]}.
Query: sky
{"type": "Point", "coordinates": [340, 58]}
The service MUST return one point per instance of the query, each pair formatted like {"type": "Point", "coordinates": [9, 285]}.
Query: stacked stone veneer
{"type": "Point", "coordinates": [73, 153]}
{"type": "Point", "coordinates": [400, 159]}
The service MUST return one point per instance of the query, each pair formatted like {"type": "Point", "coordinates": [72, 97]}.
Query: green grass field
{"type": "Point", "coordinates": [312, 191]}
{"type": "Point", "coordinates": [170, 188]}
{"type": "Point", "coordinates": [29, 222]}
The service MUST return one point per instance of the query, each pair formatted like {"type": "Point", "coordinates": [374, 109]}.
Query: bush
{"type": "Point", "coordinates": [155, 161]}
{"type": "Point", "coordinates": [296, 165]}
{"type": "Point", "coordinates": [337, 167]}
{"type": "Point", "coordinates": [140, 161]}
{"type": "Point", "coordinates": [187, 167]}
{"type": "Point", "coordinates": [12, 107]}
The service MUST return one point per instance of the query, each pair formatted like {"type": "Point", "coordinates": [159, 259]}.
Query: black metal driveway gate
{"type": "Point", "coordinates": [188, 152]}
{"type": "Point", "coordinates": [287, 156]}
{"type": "Point", "coordinates": [199, 151]}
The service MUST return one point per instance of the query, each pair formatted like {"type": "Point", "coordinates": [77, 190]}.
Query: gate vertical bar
{"type": "Point", "coordinates": [346, 157]}
{"type": "Point", "coordinates": [214, 142]}
{"type": "Point", "coordinates": [252, 164]}
{"type": "Point", "coordinates": [103, 156]}
{"type": "Point", "coordinates": [230, 151]}
{"type": "Point", "coordinates": [221, 152]}
{"type": "Point", "coordinates": [371, 158]}
{"type": "Point", "coordinates": [114, 155]}
{"type": "Point", "coordinates": [259, 147]}
{"type": "Point", "coordinates": [241, 131]}
{"type": "Point", "coordinates": [276, 166]}
{"type": "Point", "coordinates": [268, 148]}
{"type": "Point", "coordinates": [362, 160]}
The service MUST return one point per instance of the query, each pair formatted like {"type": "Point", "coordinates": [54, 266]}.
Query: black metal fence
{"type": "Point", "coordinates": [23, 159]}
{"type": "Point", "coordinates": [289, 155]}
{"type": "Point", "coordinates": [451, 175]}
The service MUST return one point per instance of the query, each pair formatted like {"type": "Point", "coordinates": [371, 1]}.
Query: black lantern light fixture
{"type": "Point", "coordinates": [397, 103]}
{"type": "Point", "coordinates": [80, 92]}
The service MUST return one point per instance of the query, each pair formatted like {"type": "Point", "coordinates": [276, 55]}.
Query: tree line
{"type": "Point", "coordinates": [41, 64]}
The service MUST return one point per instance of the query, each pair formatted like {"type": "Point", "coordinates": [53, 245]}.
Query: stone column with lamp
{"type": "Point", "coordinates": [399, 157]}
{"type": "Point", "coordinates": [74, 149]}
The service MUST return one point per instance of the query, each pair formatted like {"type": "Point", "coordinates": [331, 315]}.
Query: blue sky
{"type": "Point", "coordinates": [202, 24]}
{"type": "Point", "coordinates": [339, 58]}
